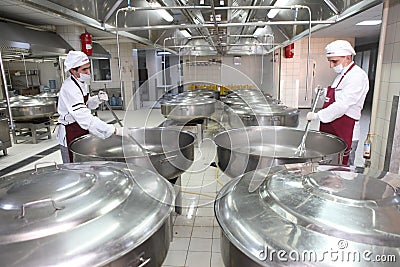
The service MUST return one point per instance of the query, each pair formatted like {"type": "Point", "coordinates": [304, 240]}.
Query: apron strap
{"type": "Point", "coordinates": [344, 74]}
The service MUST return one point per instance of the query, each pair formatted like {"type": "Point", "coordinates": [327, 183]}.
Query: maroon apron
{"type": "Point", "coordinates": [341, 127]}
{"type": "Point", "coordinates": [73, 130]}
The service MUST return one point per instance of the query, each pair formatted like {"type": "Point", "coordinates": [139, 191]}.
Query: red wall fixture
{"type": "Point", "coordinates": [86, 41]}
{"type": "Point", "coordinates": [289, 51]}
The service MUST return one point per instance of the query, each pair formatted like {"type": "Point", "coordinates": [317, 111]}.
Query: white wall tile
{"type": "Point", "coordinates": [397, 35]}
{"type": "Point", "coordinates": [390, 33]}
{"type": "Point", "coordinates": [385, 73]}
{"type": "Point", "coordinates": [394, 11]}
{"type": "Point", "coordinates": [381, 109]}
{"type": "Point", "coordinates": [388, 111]}
{"type": "Point", "coordinates": [396, 52]}
{"type": "Point", "coordinates": [383, 91]}
{"type": "Point", "coordinates": [379, 127]}
{"type": "Point", "coordinates": [393, 89]}
{"type": "Point", "coordinates": [395, 73]}
{"type": "Point", "coordinates": [388, 53]}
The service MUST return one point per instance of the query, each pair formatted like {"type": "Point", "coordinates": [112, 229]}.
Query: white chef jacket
{"type": "Point", "coordinates": [71, 108]}
{"type": "Point", "coordinates": [349, 96]}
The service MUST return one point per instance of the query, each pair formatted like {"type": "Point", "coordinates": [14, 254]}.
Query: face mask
{"type": "Point", "coordinates": [338, 68]}
{"type": "Point", "coordinates": [84, 78]}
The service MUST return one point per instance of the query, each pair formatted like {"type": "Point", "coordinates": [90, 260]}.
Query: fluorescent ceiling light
{"type": "Point", "coordinates": [273, 12]}
{"type": "Point", "coordinates": [162, 12]}
{"type": "Point", "coordinates": [160, 53]}
{"type": "Point", "coordinates": [369, 22]}
{"type": "Point", "coordinates": [185, 33]}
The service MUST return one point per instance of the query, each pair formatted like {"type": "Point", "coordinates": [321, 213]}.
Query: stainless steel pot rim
{"type": "Point", "coordinates": [118, 231]}
{"type": "Point", "coordinates": [266, 110]}
{"type": "Point", "coordinates": [243, 151]}
{"type": "Point", "coordinates": [166, 153]}
{"type": "Point", "coordinates": [253, 229]}
{"type": "Point", "coordinates": [189, 101]}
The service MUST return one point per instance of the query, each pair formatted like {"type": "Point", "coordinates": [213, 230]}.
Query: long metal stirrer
{"type": "Point", "coordinates": [144, 150]}
{"type": "Point", "coordinates": [302, 147]}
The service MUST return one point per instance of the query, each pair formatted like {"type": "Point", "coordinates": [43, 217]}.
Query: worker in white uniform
{"type": "Point", "coordinates": [345, 98]}
{"type": "Point", "coordinates": [75, 104]}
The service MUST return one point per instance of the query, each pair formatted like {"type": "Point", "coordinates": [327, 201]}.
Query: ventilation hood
{"type": "Point", "coordinates": [17, 39]}
{"type": "Point", "coordinates": [99, 51]}
{"type": "Point", "coordinates": [222, 27]}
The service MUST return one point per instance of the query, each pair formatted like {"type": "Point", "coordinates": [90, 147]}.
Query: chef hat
{"type": "Point", "coordinates": [75, 59]}
{"type": "Point", "coordinates": [339, 48]}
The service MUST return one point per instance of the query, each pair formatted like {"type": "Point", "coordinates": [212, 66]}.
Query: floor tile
{"type": "Point", "coordinates": [204, 221]}
{"type": "Point", "coordinates": [183, 221]}
{"type": "Point", "coordinates": [216, 232]}
{"type": "Point", "coordinates": [182, 231]}
{"type": "Point", "coordinates": [198, 259]}
{"type": "Point", "coordinates": [175, 258]}
{"type": "Point", "coordinates": [216, 260]}
{"type": "Point", "coordinates": [205, 212]}
{"type": "Point", "coordinates": [200, 244]}
{"type": "Point", "coordinates": [202, 231]}
{"type": "Point", "coordinates": [180, 243]}
{"type": "Point", "coordinates": [216, 245]}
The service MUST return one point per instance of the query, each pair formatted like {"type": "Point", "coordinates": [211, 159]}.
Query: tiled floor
{"type": "Point", "coordinates": [196, 240]}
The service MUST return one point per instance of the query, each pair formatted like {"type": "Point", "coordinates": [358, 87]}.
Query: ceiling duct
{"type": "Point", "coordinates": [16, 38]}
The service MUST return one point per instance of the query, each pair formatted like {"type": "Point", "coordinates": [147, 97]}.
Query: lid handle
{"type": "Point", "coordinates": [38, 202]}
{"type": "Point", "coordinates": [45, 162]}
{"type": "Point", "coordinates": [143, 261]}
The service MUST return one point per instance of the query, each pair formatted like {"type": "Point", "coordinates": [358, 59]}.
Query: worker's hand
{"type": "Point", "coordinates": [121, 131]}
{"type": "Point", "coordinates": [102, 96]}
{"type": "Point", "coordinates": [312, 116]}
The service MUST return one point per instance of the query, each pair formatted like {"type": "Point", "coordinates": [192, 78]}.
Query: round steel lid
{"type": "Point", "coordinates": [189, 101]}
{"type": "Point", "coordinates": [312, 208]}
{"type": "Point", "coordinates": [85, 214]}
{"type": "Point", "coordinates": [266, 110]}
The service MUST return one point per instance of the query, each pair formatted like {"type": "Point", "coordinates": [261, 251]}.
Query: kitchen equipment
{"type": "Point", "coordinates": [24, 108]}
{"type": "Point", "coordinates": [47, 96]}
{"type": "Point", "coordinates": [5, 139]}
{"type": "Point", "coordinates": [196, 94]}
{"type": "Point", "coordinates": [172, 151]}
{"type": "Point", "coordinates": [310, 215]}
{"type": "Point", "coordinates": [302, 147]}
{"type": "Point", "coordinates": [264, 115]}
{"type": "Point", "coordinates": [85, 214]}
{"type": "Point", "coordinates": [216, 93]}
{"type": "Point", "coordinates": [246, 149]}
{"type": "Point", "coordinates": [188, 109]}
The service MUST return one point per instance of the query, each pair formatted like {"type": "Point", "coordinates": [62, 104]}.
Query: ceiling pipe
{"type": "Point", "coordinates": [332, 6]}
{"type": "Point", "coordinates": [27, 25]}
{"type": "Point", "coordinates": [216, 27]}
{"type": "Point", "coordinates": [210, 25]}
{"type": "Point", "coordinates": [249, 15]}
{"type": "Point", "coordinates": [193, 18]}
{"type": "Point", "coordinates": [112, 10]}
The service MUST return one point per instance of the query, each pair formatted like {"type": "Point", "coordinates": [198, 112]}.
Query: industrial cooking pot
{"type": "Point", "coordinates": [172, 151]}
{"type": "Point", "coordinates": [85, 214]}
{"type": "Point", "coordinates": [264, 115]}
{"type": "Point", "coordinates": [216, 94]}
{"type": "Point", "coordinates": [47, 96]}
{"type": "Point", "coordinates": [310, 215]}
{"type": "Point", "coordinates": [250, 148]}
{"type": "Point", "coordinates": [188, 109]}
{"type": "Point", "coordinates": [196, 94]}
{"type": "Point", "coordinates": [24, 108]}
